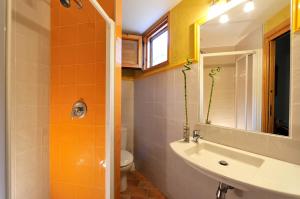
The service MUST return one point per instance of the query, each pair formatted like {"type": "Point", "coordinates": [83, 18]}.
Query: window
{"type": "Point", "coordinates": [159, 48]}
{"type": "Point", "coordinates": [156, 44]}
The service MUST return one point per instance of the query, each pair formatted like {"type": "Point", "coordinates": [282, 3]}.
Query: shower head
{"type": "Point", "coordinates": [67, 3]}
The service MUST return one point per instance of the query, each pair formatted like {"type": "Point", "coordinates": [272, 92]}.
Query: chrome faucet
{"type": "Point", "coordinates": [196, 136]}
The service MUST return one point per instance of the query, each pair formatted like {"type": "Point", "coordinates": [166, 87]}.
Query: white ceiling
{"type": "Point", "coordinates": [139, 15]}
{"type": "Point", "coordinates": [214, 34]}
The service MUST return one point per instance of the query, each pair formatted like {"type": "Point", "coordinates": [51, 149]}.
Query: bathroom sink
{"type": "Point", "coordinates": [226, 161]}
{"type": "Point", "coordinates": [240, 169]}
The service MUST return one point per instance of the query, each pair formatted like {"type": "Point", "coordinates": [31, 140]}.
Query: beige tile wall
{"type": "Point", "coordinates": [159, 119]}
{"type": "Point", "coordinates": [28, 98]}
{"type": "Point", "coordinates": [296, 88]}
{"type": "Point", "coordinates": [128, 111]}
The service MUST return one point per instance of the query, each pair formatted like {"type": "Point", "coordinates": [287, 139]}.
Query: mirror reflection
{"type": "Point", "coordinates": [245, 61]}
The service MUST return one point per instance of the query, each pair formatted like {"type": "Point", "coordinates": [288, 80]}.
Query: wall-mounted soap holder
{"type": "Point", "coordinates": [79, 109]}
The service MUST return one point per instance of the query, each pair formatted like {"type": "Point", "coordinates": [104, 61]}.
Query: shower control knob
{"type": "Point", "coordinates": [79, 109]}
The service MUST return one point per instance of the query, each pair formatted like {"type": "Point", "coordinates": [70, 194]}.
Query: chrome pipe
{"type": "Point", "coordinates": [222, 190]}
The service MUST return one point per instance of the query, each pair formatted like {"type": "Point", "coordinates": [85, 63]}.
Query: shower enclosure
{"type": "Point", "coordinates": [237, 94]}
{"type": "Point", "coordinates": [59, 54]}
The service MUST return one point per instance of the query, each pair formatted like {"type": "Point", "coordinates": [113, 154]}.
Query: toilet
{"type": "Point", "coordinates": [126, 160]}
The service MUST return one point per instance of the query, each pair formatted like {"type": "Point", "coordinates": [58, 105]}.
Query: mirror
{"type": "Point", "coordinates": [245, 67]}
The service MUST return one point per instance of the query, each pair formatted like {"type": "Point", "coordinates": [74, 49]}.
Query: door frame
{"type": "Point", "coordinates": [2, 100]}
{"type": "Point", "coordinates": [268, 72]}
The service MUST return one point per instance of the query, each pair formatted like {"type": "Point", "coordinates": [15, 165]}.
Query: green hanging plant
{"type": "Point", "coordinates": [187, 67]}
{"type": "Point", "coordinates": [212, 75]}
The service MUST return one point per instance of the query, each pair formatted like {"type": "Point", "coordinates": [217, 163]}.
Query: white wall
{"type": "Point", "coordinates": [28, 72]}
{"type": "Point", "coordinates": [253, 40]}
{"type": "Point", "coordinates": [2, 99]}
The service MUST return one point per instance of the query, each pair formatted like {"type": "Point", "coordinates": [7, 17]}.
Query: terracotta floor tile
{"type": "Point", "coordinates": [139, 197]}
{"type": "Point", "coordinates": [140, 188]}
{"type": "Point", "coordinates": [125, 196]}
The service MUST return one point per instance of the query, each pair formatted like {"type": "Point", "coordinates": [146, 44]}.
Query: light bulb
{"type": "Point", "coordinates": [224, 19]}
{"type": "Point", "coordinates": [214, 11]}
{"type": "Point", "coordinates": [249, 6]}
{"type": "Point", "coordinates": [219, 7]}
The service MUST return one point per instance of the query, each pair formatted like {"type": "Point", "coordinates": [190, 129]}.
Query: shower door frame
{"type": "Point", "coordinates": [2, 100]}
{"type": "Point", "coordinates": [110, 102]}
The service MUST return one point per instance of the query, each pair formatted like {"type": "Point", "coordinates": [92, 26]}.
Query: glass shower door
{"type": "Point", "coordinates": [243, 92]}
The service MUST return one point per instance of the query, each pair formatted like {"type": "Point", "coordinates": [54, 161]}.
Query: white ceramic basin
{"type": "Point", "coordinates": [244, 171]}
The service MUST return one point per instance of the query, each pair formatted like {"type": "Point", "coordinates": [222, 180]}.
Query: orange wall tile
{"type": "Point", "coordinates": [78, 71]}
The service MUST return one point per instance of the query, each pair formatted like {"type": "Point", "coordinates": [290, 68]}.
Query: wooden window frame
{"type": "Point", "coordinates": [139, 41]}
{"type": "Point", "coordinates": [268, 75]}
{"type": "Point", "coordinates": [161, 26]}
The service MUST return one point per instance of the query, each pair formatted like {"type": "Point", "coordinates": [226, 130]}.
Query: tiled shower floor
{"type": "Point", "coordinates": [140, 188]}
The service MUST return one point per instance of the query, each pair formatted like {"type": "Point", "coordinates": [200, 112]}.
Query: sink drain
{"type": "Point", "coordinates": [223, 163]}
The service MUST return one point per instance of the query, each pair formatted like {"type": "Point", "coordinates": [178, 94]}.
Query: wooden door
{"type": "Point", "coordinates": [269, 76]}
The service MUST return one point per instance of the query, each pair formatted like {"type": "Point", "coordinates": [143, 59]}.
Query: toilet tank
{"type": "Point", "coordinates": [123, 138]}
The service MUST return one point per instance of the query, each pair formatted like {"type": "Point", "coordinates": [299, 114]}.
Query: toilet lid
{"type": "Point", "coordinates": [126, 158]}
